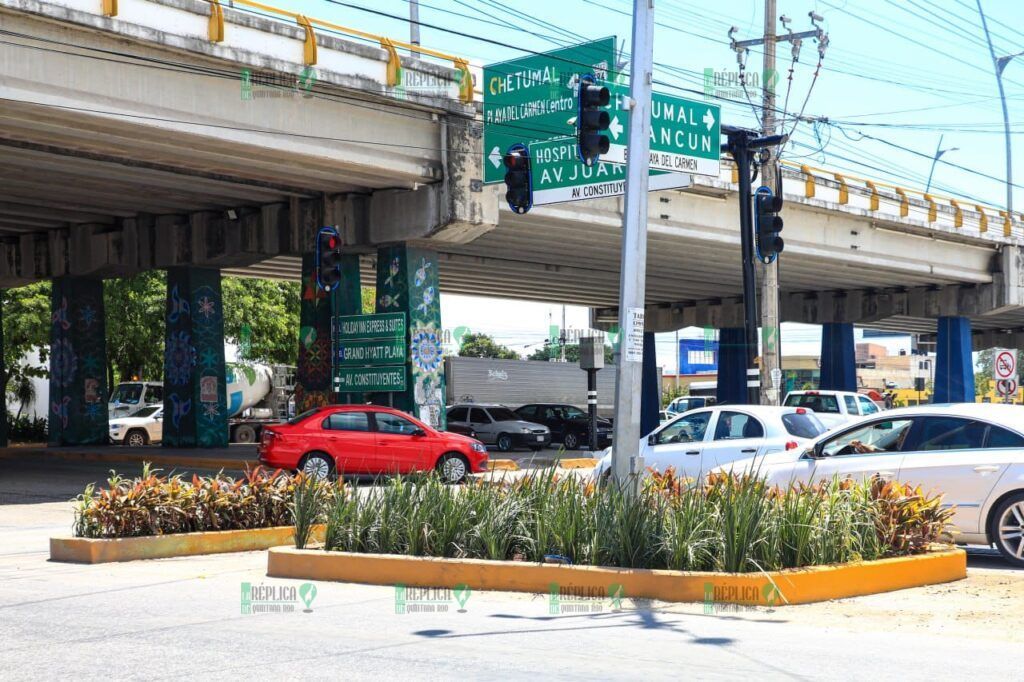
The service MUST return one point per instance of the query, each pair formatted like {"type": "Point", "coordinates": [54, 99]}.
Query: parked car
{"type": "Point", "coordinates": [665, 415]}
{"type": "Point", "coordinates": [973, 453]}
{"type": "Point", "coordinates": [142, 428]}
{"type": "Point", "coordinates": [708, 438]}
{"type": "Point", "coordinates": [833, 408]}
{"type": "Point", "coordinates": [569, 425]}
{"type": "Point", "coordinates": [689, 402]}
{"type": "Point", "coordinates": [461, 429]}
{"type": "Point", "coordinates": [367, 439]}
{"type": "Point", "coordinates": [498, 425]}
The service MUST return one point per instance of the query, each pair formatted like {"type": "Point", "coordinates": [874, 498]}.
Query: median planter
{"type": "Point", "coordinates": [105, 550]}
{"type": "Point", "coordinates": [775, 588]}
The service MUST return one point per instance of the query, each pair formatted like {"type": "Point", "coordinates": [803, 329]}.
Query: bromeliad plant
{"type": "Point", "coordinates": [158, 505]}
{"type": "Point", "coordinates": [729, 523]}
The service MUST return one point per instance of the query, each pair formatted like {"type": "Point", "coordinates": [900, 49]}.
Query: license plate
{"type": "Point", "coordinates": [540, 438]}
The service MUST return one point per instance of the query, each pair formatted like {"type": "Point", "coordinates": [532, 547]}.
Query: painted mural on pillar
{"type": "Point", "coordinates": [407, 281]}
{"type": "Point", "coordinates": [195, 400]}
{"type": "Point", "coordinates": [78, 351]}
{"type": "Point", "coordinates": [313, 374]}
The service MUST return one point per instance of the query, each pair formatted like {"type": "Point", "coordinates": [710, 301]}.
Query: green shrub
{"type": "Point", "coordinates": [731, 523]}
{"type": "Point", "coordinates": [157, 505]}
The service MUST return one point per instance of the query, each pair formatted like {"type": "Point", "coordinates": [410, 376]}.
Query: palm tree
{"type": "Point", "coordinates": [23, 392]}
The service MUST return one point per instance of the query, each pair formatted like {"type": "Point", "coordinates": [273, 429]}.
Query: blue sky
{"type": "Point", "coordinates": [903, 71]}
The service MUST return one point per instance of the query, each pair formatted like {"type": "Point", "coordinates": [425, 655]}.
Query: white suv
{"type": "Point", "coordinates": [142, 428]}
{"type": "Point", "coordinates": [833, 408]}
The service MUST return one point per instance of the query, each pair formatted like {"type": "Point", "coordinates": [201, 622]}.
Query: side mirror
{"type": "Point", "coordinates": [418, 433]}
{"type": "Point", "coordinates": [652, 439]}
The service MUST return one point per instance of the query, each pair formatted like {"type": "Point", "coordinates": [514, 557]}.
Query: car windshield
{"type": "Point", "coordinates": [814, 401]}
{"type": "Point", "coordinates": [502, 414]}
{"type": "Point", "coordinates": [129, 394]}
{"type": "Point", "coordinates": [299, 417]}
{"type": "Point", "coordinates": [147, 411]}
{"type": "Point", "coordinates": [804, 425]}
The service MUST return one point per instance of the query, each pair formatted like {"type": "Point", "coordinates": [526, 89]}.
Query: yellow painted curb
{"type": "Point", "coordinates": [502, 465]}
{"type": "Point", "coordinates": [577, 463]}
{"type": "Point", "coordinates": [796, 586]}
{"type": "Point", "coordinates": [129, 458]}
{"type": "Point", "coordinates": [101, 551]}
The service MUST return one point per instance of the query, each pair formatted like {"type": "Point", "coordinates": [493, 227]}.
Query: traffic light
{"type": "Point", "coordinates": [768, 224]}
{"type": "Point", "coordinates": [328, 258]}
{"type": "Point", "coordinates": [518, 178]}
{"type": "Point", "coordinates": [591, 120]}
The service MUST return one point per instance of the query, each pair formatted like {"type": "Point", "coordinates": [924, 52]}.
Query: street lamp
{"type": "Point", "coordinates": [935, 159]}
{"type": "Point", "coordinates": [1000, 63]}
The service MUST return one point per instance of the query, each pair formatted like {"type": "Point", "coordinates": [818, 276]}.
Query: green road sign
{"type": "Point", "coordinates": [369, 379]}
{"type": "Point", "coordinates": [534, 98]}
{"type": "Point", "coordinates": [559, 176]}
{"type": "Point", "coordinates": [371, 352]}
{"type": "Point", "coordinates": [379, 326]}
{"type": "Point", "coordinates": [685, 133]}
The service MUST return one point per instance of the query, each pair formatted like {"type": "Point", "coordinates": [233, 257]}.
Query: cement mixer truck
{"type": "Point", "coordinates": [256, 394]}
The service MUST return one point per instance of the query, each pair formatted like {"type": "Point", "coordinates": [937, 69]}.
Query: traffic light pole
{"type": "Point", "coordinates": [738, 148]}
{"type": "Point", "coordinates": [627, 464]}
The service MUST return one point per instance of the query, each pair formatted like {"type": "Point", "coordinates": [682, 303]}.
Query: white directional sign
{"type": "Point", "coordinates": [1005, 364]}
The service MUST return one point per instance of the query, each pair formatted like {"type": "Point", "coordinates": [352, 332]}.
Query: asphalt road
{"type": "Point", "coordinates": [172, 618]}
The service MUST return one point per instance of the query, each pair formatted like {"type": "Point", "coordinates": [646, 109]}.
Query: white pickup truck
{"type": "Point", "coordinates": [833, 408]}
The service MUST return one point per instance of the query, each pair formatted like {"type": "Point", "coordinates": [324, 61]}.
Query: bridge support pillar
{"type": "Point", "coordinates": [838, 357]}
{"type": "Point", "coordinates": [195, 390]}
{"type": "Point", "coordinates": [78, 357]}
{"type": "Point", "coordinates": [313, 374]}
{"type": "Point", "coordinates": [407, 281]}
{"type": "Point", "coordinates": [954, 365]}
{"type": "Point", "coordinates": [732, 366]}
{"type": "Point", "coordinates": [650, 387]}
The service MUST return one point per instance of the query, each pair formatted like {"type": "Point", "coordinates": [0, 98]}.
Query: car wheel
{"type": "Point", "coordinates": [1008, 529]}
{"type": "Point", "coordinates": [135, 438]}
{"type": "Point", "coordinates": [317, 465]}
{"type": "Point", "coordinates": [245, 434]}
{"type": "Point", "coordinates": [504, 442]}
{"type": "Point", "coordinates": [452, 468]}
{"type": "Point", "coordinates": [571, 441]}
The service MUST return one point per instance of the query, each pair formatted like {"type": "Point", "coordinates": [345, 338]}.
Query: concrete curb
{"type": "Point", "coordinates": [101, 551]}
{"type": "Point", "coordinates": [577, 463]}
{"type": "Point", "coordinates": [502, 465]}
{"type": "Point", "coordinates": [777, 588]}
{"type": "Point", "coordinates": [128, 458]}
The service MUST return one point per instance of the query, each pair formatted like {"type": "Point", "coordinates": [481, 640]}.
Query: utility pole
{"type": "Point", "coordinates": [562, 339]}
{"type": "Point", "coordinates": [999, 63]}
{"type": "Point", "coordinates": [627, 465]}
{"type": "Point", "coordinates": [771, 347]}
{"type": "Point", "coordinates": [414, 25]}
{"type": "Point", "coordinates": [771, 354]}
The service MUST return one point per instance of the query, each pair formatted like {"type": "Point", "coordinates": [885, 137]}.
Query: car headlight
{"type": "Point", "coordinates": [525, 429]}
{"type": "Point", "coordinates": [478, 447]}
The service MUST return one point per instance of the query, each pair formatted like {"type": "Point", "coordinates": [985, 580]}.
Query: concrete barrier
{"type": "Point", "coordinates": [106, 550]}
{"type": "Point", "coordinates": [775, 588]}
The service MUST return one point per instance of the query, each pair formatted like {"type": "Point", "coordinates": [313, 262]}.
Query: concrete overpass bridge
{"type": "Point", "coordinates": [200, 137]}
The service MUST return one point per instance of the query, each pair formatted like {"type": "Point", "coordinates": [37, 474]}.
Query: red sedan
{"type": "Point", "coordinates": [367, 439]}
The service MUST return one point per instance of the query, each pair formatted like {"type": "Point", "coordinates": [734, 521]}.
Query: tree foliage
{"type": "Point", "coordinates": [26, 326]}
{"type": "Point", "coordinates": [483, 346]}
{"type": "Point", "coordinates": [572, 353]}
{"type": "Point", "coordinates": [135, 309]}
{"type": "Point", "coordinates": [271, 310]}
